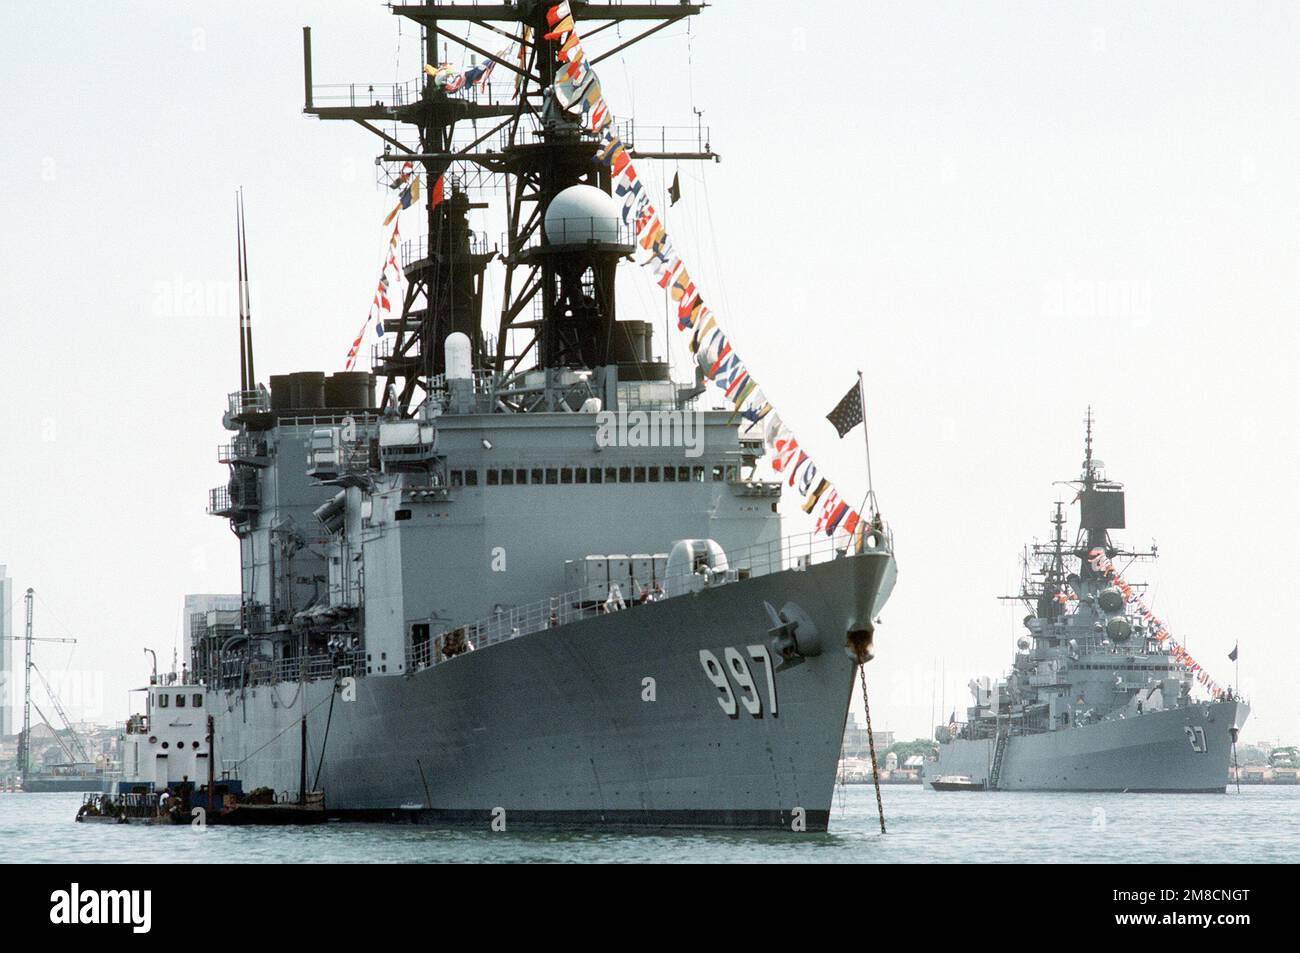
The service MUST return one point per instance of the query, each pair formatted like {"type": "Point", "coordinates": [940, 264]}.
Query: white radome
{"type": "Point", "coordinates": [582, 213]}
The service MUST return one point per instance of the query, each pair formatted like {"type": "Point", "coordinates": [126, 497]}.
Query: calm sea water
{"type": "Point", "coordinates": [1259, 825]}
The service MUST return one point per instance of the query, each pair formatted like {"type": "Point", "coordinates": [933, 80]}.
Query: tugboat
{"type": "Point", "coordinates": [169, 770]}
{"type": "Point", "coordinates": [1099, 697]}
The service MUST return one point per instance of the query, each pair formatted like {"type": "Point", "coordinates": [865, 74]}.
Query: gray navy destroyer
{"type": "Point", "coordinates": [459, 603]}
{"type": "Point", "coordinates": [1094, 701]}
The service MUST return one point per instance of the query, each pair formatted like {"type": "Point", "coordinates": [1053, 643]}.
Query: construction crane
{"type": "Point", "coordinates": [81, 753]}
{"type": "Point", "coordinates": [24, 740]}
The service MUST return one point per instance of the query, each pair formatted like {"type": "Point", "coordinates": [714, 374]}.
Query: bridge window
{"type": "Point", "coordinates": [508, 477]}
{"type": "Point", "coordinates": [493, 477]}
{"type": "Point", "coordinates": [180, 701]}
{"type": "Point", "coordinates": [196, 700]}
{"type": "Point", "coordinates": [566, 474]}
{"type": "Point", "coordinates": [624, 474]}
{"type": "Point", "coordinates": [580, 475]}
{"type": "Point", "coordinates": [596, 474]}
{"type": "Point", "coordinates": [670, 474]}
{"type": "Point", "coordinates": [638, 475]}
{"type": "Point", "coordinates": [162, 701]}
{"type": "Point", "coordinates": [552, 475]}
{"type": "Point", "coordinates": [521, 476]}
{"type": "Point", "coordinates": [537, 475]}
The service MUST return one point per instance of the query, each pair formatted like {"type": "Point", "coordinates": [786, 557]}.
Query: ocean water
{"type": "Point", "coordinates": [1259, 825]}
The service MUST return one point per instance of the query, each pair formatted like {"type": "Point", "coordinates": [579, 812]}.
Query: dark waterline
{"type": "Point", "coordinates": [1259, 825]}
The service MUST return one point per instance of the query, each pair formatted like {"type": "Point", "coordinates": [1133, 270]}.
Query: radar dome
{"type": "Point", "coordinates": [580, 214]}
{"type": "Point", "coordinates": [1118, 629]}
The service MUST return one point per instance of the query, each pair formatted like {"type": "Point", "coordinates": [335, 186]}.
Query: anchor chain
{"type": "Point", "coordinates": [871, 744]}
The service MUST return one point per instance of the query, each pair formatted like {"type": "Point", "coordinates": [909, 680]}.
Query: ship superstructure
{"type": "Point", "coordinates": [533, 574]}
{"type": "Point", "coordinates": [1095, 698]}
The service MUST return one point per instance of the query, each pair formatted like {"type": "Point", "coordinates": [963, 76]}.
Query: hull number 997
{"type": "Point", "coordinates": [747, 693]}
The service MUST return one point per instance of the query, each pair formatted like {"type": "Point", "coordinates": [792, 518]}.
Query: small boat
{"type": "Point", "coordinates": [956, 782]}
{"type": "Point", "coordinates": [170, 750]}
{"type": "Point", "coordinates": [309, 810]}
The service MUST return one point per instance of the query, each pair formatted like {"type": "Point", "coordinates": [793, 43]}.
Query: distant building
{"type": "Point", "coordinates": [8, 679]}
{"type": "Point", "coordinates": [855, 739]}
{"type": "Point", "coordinates": [197, 607]}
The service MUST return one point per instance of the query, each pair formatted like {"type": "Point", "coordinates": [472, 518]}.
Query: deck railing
{"type": "Point", "coordinates": [791, 552]}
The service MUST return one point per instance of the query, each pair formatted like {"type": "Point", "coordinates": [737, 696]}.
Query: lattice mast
{"type": "Point", "coordinates": [558, 304]}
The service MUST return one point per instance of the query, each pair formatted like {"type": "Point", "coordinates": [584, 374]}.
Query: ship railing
{"type": "Point", "coordinates": [367, 94]}
{"type": "Point", "coordinates": [596, 599]}
{"type": "Point", "coordinates": [665, 139]}
{"type": "Point", "coordinates": [417, 249]}
{"type": "Point", "coordinates": [500, 87]}
{"type": "Point", "coordinates": [606, 231]}
{"type": "Point", "coordinates": [244, 671]}
{"type": "Point", "coordinates": [219, 500]}
{"type": "Point", "coordinates": [242, 448]}
{"type": "Point", "coordinates": [131, 805]}
{"type": "Point", "coordinates": [328, 419]}
{"type": "Point", "coordinates": [249, 402]}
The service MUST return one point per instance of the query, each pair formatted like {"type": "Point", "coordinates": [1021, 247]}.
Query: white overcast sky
{"type": "Point", "coordinates": [1000, 212]}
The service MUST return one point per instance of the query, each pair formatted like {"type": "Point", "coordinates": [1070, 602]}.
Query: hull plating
{"type": "Point", "coordinates": [613, 720]}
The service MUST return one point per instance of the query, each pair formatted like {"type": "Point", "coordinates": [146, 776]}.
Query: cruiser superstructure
{"type": "Point", "coordinates": [536, 578]}
{"type": "Point", "coordinates": [1096, 700]}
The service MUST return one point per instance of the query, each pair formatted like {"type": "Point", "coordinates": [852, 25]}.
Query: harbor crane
{"type": "Point", "coordinates": [24, 740]}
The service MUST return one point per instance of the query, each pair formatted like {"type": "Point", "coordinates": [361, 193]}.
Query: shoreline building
{"type": "Point", "coordinates": [7, 678]}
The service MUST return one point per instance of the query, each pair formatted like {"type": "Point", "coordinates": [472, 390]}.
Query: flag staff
{"type": "Point", "coordinates": [866, 437]}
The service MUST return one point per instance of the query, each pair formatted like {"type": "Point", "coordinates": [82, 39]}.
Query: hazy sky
{"type": "Point", "coordinates": [1001, 212]}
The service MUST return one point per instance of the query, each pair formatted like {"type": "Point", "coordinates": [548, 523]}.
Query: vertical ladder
{"type": "Point", "coordinates": [999, 752]}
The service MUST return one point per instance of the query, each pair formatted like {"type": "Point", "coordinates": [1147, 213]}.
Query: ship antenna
{"type": "Point", "coordinates": [1087, 449]}
{"type": "Point", "coordinates": [239, 291]}
{"type": "Point", "coordinates": [246, 314]}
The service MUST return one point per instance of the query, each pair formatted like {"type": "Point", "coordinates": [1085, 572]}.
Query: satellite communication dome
{"type": "Point", "coordinates": [583, 213]}
{"type": "Point", "coordinates": [1118, 629]}
{"type": "Point", "coordinates": [1110, 600]}
{"type": "Point", "coordinates": [459, 356]}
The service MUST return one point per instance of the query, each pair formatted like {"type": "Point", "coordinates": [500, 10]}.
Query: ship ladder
{"type": "Point", "coordinates": [999, 753]}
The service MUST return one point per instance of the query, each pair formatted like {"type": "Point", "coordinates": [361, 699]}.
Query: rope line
{"type": "Point", "coordinates": [294, 724]}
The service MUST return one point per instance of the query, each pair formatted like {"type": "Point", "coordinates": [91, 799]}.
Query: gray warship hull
{"type": "Point", "coordinates": [1176, 750]}
{"type": "Point", "coordinates": [608, 721]}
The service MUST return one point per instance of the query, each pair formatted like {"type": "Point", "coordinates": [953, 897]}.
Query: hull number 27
{"type": "Point", "coordinates": [733, 667]}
